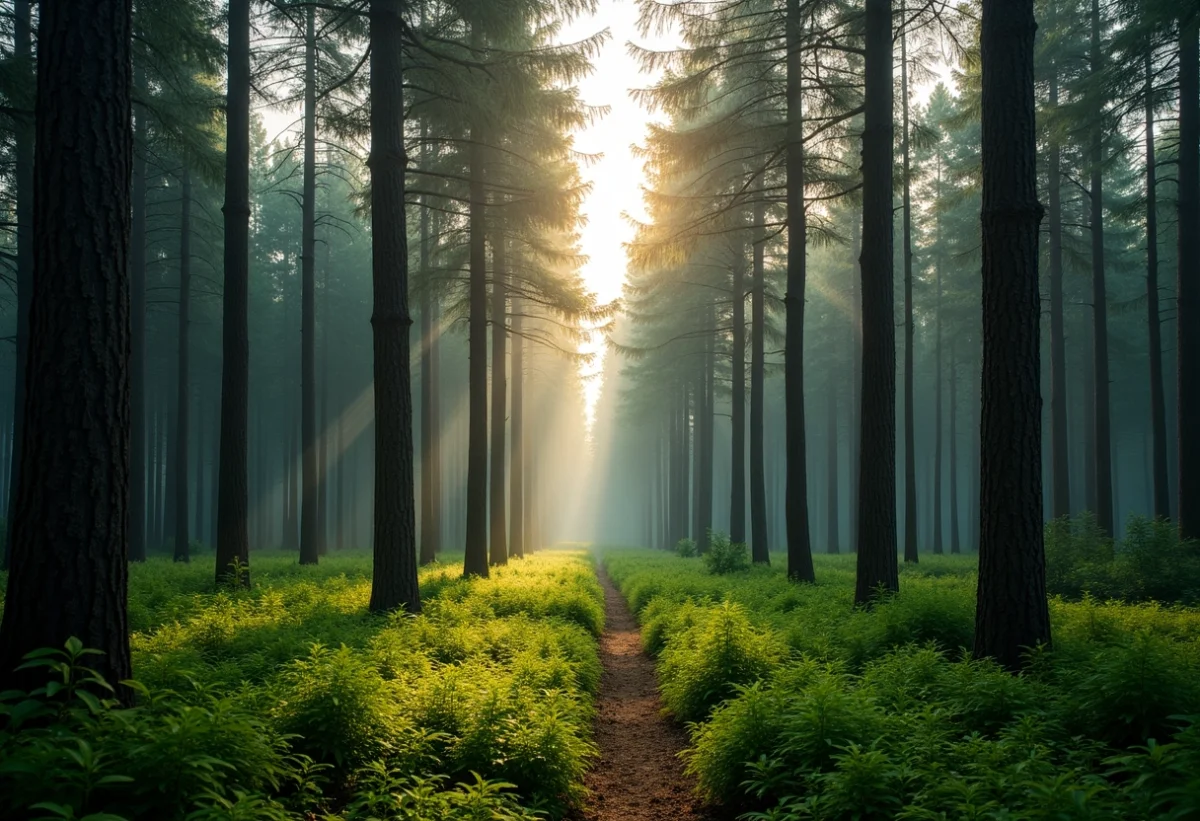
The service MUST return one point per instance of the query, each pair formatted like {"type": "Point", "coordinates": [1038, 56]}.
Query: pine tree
{"type": "Point", "coordinates": [68, 576]}
{"type": "Point", "coordinates": [1012, 613]}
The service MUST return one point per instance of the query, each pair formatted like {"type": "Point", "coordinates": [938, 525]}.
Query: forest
{"type": "Point", "coordinates": [599, 410]}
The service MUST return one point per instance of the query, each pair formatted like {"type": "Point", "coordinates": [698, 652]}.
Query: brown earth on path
{"type": "Point", "coordinates": [638, 776]}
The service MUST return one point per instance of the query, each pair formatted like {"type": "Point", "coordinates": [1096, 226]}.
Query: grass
{"type": "Point", "coordinates": [291, 701]}
{"type": "Point", "coordinates": [799, 705]}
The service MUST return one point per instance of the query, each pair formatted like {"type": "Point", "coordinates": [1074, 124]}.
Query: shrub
{"type": "Point", "coordinates": [72, 752]}
{"type": "Point", "coordinates": [880, 713]}
{"type": "Point", "coordinates": [1149, 563]}
{"type": "Point", "coordinates": [338, 708]}
{"type": "Point", "coordinates": [289, 700]}
{"type": "Point", "coordinates": [703, 664]}
{"type": "Point", "coordinates": [724, 556]}
{"type": "Point", "coordinates": [685, 548]}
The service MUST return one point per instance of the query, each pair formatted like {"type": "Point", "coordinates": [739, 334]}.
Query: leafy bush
{"type": "Point", "coordinates": [685, 548]}
{"type": "Point", "coordinates": [291, 701]}
{"type": "Point", "coordinates": [724, 556]}
{"type": "Point", "coordinates": [71, 750]}
{"type": "Point", "coordinates": [704, 662]}
{"type": "Point", "coordinates": [881, 714]}
{"type": "Point", "coordinates": [1149, 563]}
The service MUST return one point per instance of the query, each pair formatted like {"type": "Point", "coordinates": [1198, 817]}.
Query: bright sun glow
{"type": "Point", "coordinates": [616, 179]}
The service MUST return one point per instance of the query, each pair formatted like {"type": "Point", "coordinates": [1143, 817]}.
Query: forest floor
{"type": "Point", "coordinates": [639, 775]}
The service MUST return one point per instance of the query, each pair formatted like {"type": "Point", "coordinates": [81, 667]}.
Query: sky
{"type": "Point", "coordinates": [616, 179]}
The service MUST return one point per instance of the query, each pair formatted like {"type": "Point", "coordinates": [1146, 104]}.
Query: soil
{"type": "Point", "coordinates": [639, 775]}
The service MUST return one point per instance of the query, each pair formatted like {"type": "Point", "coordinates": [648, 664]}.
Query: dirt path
{"type": "Point", "coordinates": [639, 776]}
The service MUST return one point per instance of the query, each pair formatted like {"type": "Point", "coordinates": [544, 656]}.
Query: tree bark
{"type": "Point", "coordinates": [182, 383]}
{"type": "Point", "coordinates": [516, 478]}
{"type": "Point", "coordinates": [938, 545]}
{"type": "Point", "coordinates": [201, 515]}
{"type": "Point", "coordinates": [394, 582]}
{"type": "Point", "coordinates": [430, 328]}
{"type": "Point", "coordinates": [854, 412]}
{"type": "Point", "coordinates": [832, 512]}
{"type": "Point", "coordinates": [498, 527]}
{"type": "Point", "coordinates": [137, 286]}
{"type": "Point", "coordinates": [475, 561]}
{"type": "Point", "coordinates": [760, 547]}
{"type": "Point", "coordinates": [910, 442]}
{"type": "Point", "coordinates": [323, 426]}
{"type": "Point", "coordinates": [233, 537]}
{"type": "Point", "coordinates": [1158, 403]}
{"type": "Point", "coordinates": [704, 447]}
{"type": "Point", "coordinates": [955, 538]}
{"type": "Point", "coordinates": [737, 356]}
{"type": "Point", "coordinates": [799, 545]}
{"type": "Point", "coordinates": [71, 518]}
{"type": "Point", "coordinates": [309, 552]}
{"type": "Point", "coordinates": [291, 535]}
{"type": "Point", "coordinates": [1104, 482]}
{"type": "Point", "coordinates": [1187, 288]}
{"type": "Point", "coordinates": [1012, 613]}
{"type": "Point", "coordinates": [23, 180]}
{"type": "Point", "coordinates": [877, 474]}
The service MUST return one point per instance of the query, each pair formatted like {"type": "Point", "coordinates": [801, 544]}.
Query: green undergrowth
{"type": "Point", "coordinates": [800, 706]}
{"type": "Point", "coordinates": [291, 701]}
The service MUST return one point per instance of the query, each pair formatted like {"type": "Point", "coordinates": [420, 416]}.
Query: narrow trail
{"type": "Point", "coordinates": [638, 776]}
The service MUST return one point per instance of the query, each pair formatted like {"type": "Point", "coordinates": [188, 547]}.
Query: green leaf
{"type": "Point", "coordinates": [90, 700]}
{"type": "Point", "coordinates": [42, 652]}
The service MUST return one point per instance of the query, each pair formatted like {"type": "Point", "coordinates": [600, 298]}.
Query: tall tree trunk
{"type": "Point", "coordinates": [71, 517]}
{"type": "Point", "coordinates": [233, 537]}
{"type": "Point", "coordinates": [339, 504]}
{"type": "Point", "coordinates": [498, 528]}
{"type": "Point", "coordinates": [201, 515]}
{"type": "Point", "coordinates": [183, 386]}
{"type": "Point", "coordinates": [737, 354]}
{"type": "Point", "coordinates": [323, 425]}
{"type": "Point", "coordinates": [533, 502]}
{"type": "Point", "coordinates": [137, 286]}
{"type": "Point", "coordinates": [704, 446]}
{"type": "Point", "coordinates": [154, 467]}
{"type": "Point", "coordinates": [166, 497]}
{"type": "Point", "coordinates": [854, 413]}
{"type": "Point", "coordinates": [214, 475]}
{"type": "Point", "coordinates": [938, 545]}
{"type": "Point", "coordinates": [673, 483]}
{"type": "Point", "coordinates": [799, 545]}
{"type": "Point", "coordinates": [758, 478]}
{"type": "Point", "coordinates": [1187, 287]}
{"type": "Point", "coordinates": [291, 536]}
{"type": "Point", "coordinates": [1060, 469]}
{"type": "Point", "coordinates": [430, 508]}
{"type": "Point", "coordinates": [475, 561]}
{"type": "Point", "coordinates": [1011, 614]}
{"type": "Point", "coordinates": [309, 551]}
{"type": "Point", "coordinates": [1104, 481]}
{"type": "Point", "coordinates": [910, 441]}
{"type": "Point", "coordinates": [394, 581]}
{"type": "Point", "coordinates": [832, 513]}
{"type": "Point", "coordinates": [955, 539]}
{"type": "Point", "coordinates": [1158, 403]}
{"type": "Point", "coordinates": [23, 179]}
{"type": "Point", "coordinates": [877, 455]}
{"type": "Point", "coordinates": [1089, 413]}
{"type": "Point", "coordinates": [697, 379]}
{"type": "Point", "coordinates": [516, 478]}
